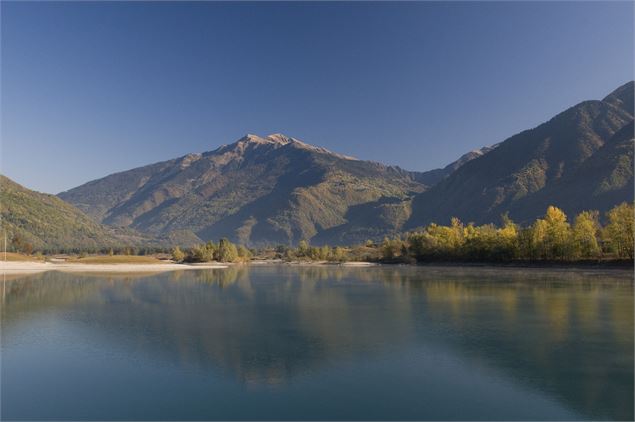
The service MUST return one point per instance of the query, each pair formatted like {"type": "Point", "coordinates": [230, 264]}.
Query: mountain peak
{"type": "Point", "coordinates": [274, 138]}
{"type": "Point", "coordinates": [622, 97]}
{"type": "Point", "coordinates": [251, 138]}
{"type": "Point", "coordinates": [280, 138]}
{"type": "Point", "coordinates": [277, 140]}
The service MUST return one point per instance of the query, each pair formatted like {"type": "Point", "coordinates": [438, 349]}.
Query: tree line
{"type": "Point", "coordinates": [551, 238]}
{"type": "Point", "coordinates": [223, 251]}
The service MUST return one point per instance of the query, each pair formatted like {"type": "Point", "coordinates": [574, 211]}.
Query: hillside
{"type": "Point", "coordinates": [432, 177]}
{"type": "Point", "coordinates": [571, 161]}
{"type": "Point", "coordinates": [46, 222]}
{"type": "Point", "coordinates": [278, 190]}
{"type": "Point", "coordinates": [601, 182]}
{"type": "Point", "coordinates": [273, 189]}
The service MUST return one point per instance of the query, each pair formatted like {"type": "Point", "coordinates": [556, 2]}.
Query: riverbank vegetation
{"type": "Point", "coordinates": [223, 251]}
{"type": "Point", "coordinates": [116, 259]}
{"type": "Point", "coordinates": [552, 238]}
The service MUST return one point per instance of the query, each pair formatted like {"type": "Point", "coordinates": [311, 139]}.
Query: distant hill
{"type": "Point", "coordinates": [432, 177]}
{"type": "Point", "coordinates": [273, 189]}
{"type": "Point", "coordinates": [279, 190]}
{"type": "Point", "coordinates": [46, 222]}
{"type": "Point", "coordinates": [601, 182]}
{"type": "Point", "coordinates": [580, 159]}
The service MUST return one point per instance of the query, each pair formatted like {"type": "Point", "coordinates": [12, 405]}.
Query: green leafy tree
{"type": "Point", "coordinates": [202, 253]}
{"type": "Point", "coordinates": [339, 254]}
{"type": "Point", "coordinates": [244, 254]}
{"type": "Point", "coordinates": [558, 234]}
{"type": "Point", "coordinates": [619, 230]}
{"type": "Point", "coordinates": [388, 251]}
{"type": "Point", "coordinates": [303, 248]}
{"type": "Point", "coordinates": [508, 245]}
{"type": "Point", "coordinates": [325, 252]}
{"type": "Point", "coordinates": [586, 227]}
{"type": "Point", "coordinates": [227, 251]}
{"type": "Point", "coordinates": [177, 254]}
{"type": "Point", "coordinates": [538, 240]}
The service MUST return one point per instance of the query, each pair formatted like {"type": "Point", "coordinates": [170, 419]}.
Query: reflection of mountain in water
{"type": "Point", "coordinates": [554, 331]}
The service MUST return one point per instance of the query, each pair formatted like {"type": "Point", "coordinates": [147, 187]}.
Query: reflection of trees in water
{"type": "Point", "coordinates": [223, 277]}
{"type": "Point", "coordinates": [554, 330]}
{"type": "Point", "coordinates": [557, 336]}
{"type": "Point", "coordinates": [258, 327]}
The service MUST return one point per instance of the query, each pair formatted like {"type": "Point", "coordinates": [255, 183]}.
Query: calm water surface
{"type": "Point", "coordinates": [278, 342]}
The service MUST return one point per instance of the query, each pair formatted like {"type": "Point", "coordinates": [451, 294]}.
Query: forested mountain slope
{"type": "Point", "coordinates": [273, 189]}
{"type": "Point", "coordinates": [571, 161]}
{"type": "Point", "coordinates": [39, 221]}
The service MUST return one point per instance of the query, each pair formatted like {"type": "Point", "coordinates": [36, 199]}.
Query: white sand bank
{"type": "Point", "coordinates": [24, 267]}
{"type": "Point", "coordinates": [359, 264]}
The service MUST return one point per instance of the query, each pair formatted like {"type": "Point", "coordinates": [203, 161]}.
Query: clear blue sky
{"type": "Point", "coordinates": [92, 88]}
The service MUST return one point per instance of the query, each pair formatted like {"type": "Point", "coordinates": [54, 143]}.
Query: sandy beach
{"type": "Point", "coordinates": [25, 267]}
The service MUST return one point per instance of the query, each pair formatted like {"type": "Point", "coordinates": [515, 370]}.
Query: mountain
{"type": "Point", "coordinates": [277, 189]}
{"type": "Point", "coordinates": [601, 182]}
{"type": "Point", "coordinates": [46, 222]}
{"type": "Point", "coordinates": [258, 190]}
{"type": "Point", "coordinates": [622, 97]}
{"type": "Point", "coordinates": [580, 159]}
{"type": "Point", "coordinates": [432, 177]}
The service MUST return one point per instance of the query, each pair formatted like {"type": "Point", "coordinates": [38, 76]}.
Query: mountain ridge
{"type": "Point", "coordinates": [278, 189]}
{"type": "Point", "coordinates": [40, 221]}
{"type": "Point", "coordinates": [233, 186]}
{"type": "Point", "coordinates": [506, 179]}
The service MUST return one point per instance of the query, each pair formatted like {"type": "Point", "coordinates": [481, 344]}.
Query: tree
{"type": "Point", "coordinates": [537, 235]}
{"type": "Point", "coordinates": [619, 230]}
{"type": "Point", "coordinates": [177, 254]}
{"type": "Point", "coordinates": [227, 251]}
{"type": "Point", "coordinates": [202, 253]}
{"type": "Point", "coordinates": [21, 245]}
{"type": "Point", "coordinates": [585, 230]}
{"type": "Point", "coordinates": [388, 249]}
{"type": "Point", "coordinates": [244, 254]}
{"type": "Point", "coordinates": [558, 232]}
{"type": "Point", "coordinates": [325, 252]}
{"type": "Point", "coordinates": [456, 234]}
{"type": "Point", "coordinates": [303, 248]}
{"type": "Point", "coordinates": [508, 244]}
{"type": "Point", "coordinates": [338, 254]}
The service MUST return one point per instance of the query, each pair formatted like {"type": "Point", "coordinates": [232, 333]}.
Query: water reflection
{"type": "Point", "coordinates": [566, 334]}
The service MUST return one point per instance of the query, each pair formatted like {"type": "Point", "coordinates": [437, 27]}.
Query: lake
{"type": "Point", "coordinates": [320, 343]}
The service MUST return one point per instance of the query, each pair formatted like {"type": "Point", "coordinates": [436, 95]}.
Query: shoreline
{"type": "Point", "coordinates": [545, 265]}
{"type": "Point", "coordinates": [31, 267]}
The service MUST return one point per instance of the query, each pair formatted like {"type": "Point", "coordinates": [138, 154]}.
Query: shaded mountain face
{"type": "Point", "coordinates": [623, 97]}
{"type": "Point", "coordinates": [601, 182]}
{"type": "Point", "coordinates": [258, 190]}
{"type": "Point", "coordinates": [432, 177]}
{"type": "Point", "coordinates": [577, 160]}
{"type": "Point", "coordinates": [46, 222]}
{"type": "Point", "coordinates": [278, 190]}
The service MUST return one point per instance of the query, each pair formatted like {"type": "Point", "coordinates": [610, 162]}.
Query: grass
{"type": "Point", "coordinates": [12, 256]}
{"type": "Point", "coordinates": [117, 259]}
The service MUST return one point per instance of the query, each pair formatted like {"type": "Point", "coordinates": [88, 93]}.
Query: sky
{"type": "Point", "coordinates": [92, 88]}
